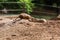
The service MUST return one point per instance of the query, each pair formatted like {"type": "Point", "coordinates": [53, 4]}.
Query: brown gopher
{"type": "Point", "coordinates": [24, 16]}
{"type": "Point", "coordinates": [29, 18]}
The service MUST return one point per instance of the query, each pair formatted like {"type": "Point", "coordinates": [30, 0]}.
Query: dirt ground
{"type": "Point", "coordinates": [25, 30]}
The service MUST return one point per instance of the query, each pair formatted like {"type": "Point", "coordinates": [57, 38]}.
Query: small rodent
{"type": "Point", "coordinates": [30, 18]}
{"type": "Point", "coordinates": [24, 16]}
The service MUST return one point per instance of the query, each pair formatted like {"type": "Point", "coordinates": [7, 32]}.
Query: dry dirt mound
{"type": "Point", "coordinates": [26, 30]}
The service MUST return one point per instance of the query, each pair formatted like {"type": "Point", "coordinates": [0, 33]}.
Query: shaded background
{"type": "Point", "coordinates": [41, 9]}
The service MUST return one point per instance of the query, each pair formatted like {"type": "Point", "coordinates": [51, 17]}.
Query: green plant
{"type": "Point", "coordinates": [27, 4]}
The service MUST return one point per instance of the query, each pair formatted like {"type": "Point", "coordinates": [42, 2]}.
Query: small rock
{"type": "Point", "coordinates": [1, 19]}
{"type": "Point", "coordinates": [2, 24]}
{"type": "Point", "coordinates": [43, 20]}
{"type": "Point", "coordinates": [8, 39]}
{"type": "Point", "coordinates": [38, 20]}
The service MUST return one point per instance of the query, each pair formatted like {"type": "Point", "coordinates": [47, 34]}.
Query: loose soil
{"type": "Point", "coordinates": [25, 30]}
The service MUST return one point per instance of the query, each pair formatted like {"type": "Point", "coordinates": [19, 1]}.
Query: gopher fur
{"type": "Point", "coordinates": [24, 16]}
